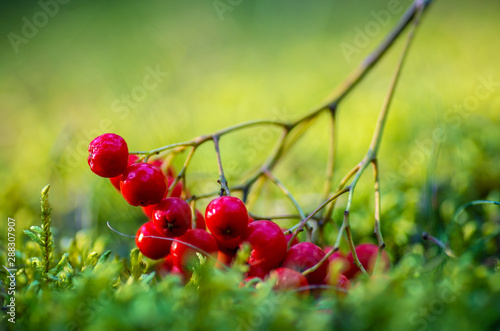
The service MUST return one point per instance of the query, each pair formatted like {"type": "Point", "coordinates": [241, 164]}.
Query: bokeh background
{"type": "Point", "coordinates": [67, 79]}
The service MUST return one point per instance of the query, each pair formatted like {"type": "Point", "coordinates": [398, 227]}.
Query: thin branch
{"type": "Point", "coordinates": [182, 174]}
{"type": "Point", "coordinates": [286, 192]}
{"type": "Point", "coordinates": [290, 196]}
{"type": "Point", "coordinates": [278, 217]}
{"type": "Point", "coordinates": [376, 229]}
{"type": "Point", "coordinates": [418, 8]}
{"type": "Point", "coordinates": [296, 229]}
{"type": "Point", "coordinates": [222, 178]}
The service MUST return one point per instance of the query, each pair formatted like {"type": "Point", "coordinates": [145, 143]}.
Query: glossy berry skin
{"type": "Point", "coordinates": [148, 210]}
{"type": "Point", "coordinates": [108, 155]}
{"type": "Point", "coordinates": [367, 255]}
{"type": "Point", "coordinates": [288, 279]}
{"type": "Point", "coordinates": [116, 180]}
{"type": "Point", "coordinates": [183, 256]}
{"type": "Point", "coordinates": [226, 218]}
{"type": "Point", "coordinates": [304, 256]}
{"type": "Point", "coordinates": [154, 248]}
{"type": "Point", "coordinates": [172, 217]}
{"type": "Point", "coordinates": [143, 184]}
{"type": "Point", "coordinates": [268, 245]}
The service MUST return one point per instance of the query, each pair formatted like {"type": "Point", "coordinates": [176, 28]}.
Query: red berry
{"type": "Point", "coordinates": [183, 255]}
{"type": "Point", "coordinates": [171, 172]}
{"type": "Point", "coordinates": [226, 218]}
{"type": "Point", "coordinates": [367, 255]}
{"type": "Point", "coordinates": [230, 246]}
{"type": "Point", "coordinates": [289, 279]}
{"type": "Point", "coordinates": [288, 236]}
{"type": "Point", "coordinates": [200, 220]}
{"type": "Point", "coordinates": [343, 282]}
{"type": "Point", "coordinates": [172, 217]}
{"type": "Point", "coordinates": [132, 158]}
{"type": "Point", "coordinates": [268, 245]}
{"type": "Point", "coordinates": [225, 258]}
{"type": "Point", "coordinates": [143, 184]}
{"type": "Point", "coordinates": [304, 256]}
{"type": "Point", "coordinates": [338, 258]}
{"type": "Point", "coordinates": [157, 163]}
{"type": "Point", "coordinates": [178, 188]}
{"type": "Point", "coordinates": [168, 264]}
{"type": "Point", "coordinates": [257, 271]}
{"type": "Point", "coordinates": [154, 248]}
{"type": "Point", "coordinates": [108, 155]}
{"type": "Point", "coordinates": [168, 267]}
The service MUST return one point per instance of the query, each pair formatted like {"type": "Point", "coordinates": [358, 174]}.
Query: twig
{"type": "Point", "coordinates": [417, 9]}
{"type": "Point", "coordinates": [296, 229]}
{"type": "Point", "coordinates": [376, 228]}
{"type": "Point", "coordinates": [182, 174]}
{"type": "Point", "coordinates": [291, 197]}
{"type": "Point", "coordinates": [222, 179]}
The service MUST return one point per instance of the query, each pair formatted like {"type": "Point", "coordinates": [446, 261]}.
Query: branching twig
{"type": "Point", "coordinates": [294, 130]}
{"type": "Point", "coordinates": [296, 229]}
{"type": "Point", "coordinates": [371, 155]}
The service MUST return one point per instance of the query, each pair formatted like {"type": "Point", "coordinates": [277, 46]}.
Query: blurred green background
{"type": "Point", "coordinates": [222, 63]}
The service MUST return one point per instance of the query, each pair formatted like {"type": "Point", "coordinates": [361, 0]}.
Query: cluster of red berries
{"type": "Point", "coordinates": [169, 233]}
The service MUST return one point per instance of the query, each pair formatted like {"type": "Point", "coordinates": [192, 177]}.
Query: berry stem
{"type": "Point", "coordinates": [290, 196]}
{"type": "Point", "coordinates": [376, 228]}
{"type": "Point", "coordinates": [297, 228]}
{"type": "Point", "coordinates": [182, 174]}
{"type": "Point", "coordinates": [279, 217]}
{"type": "Point", "coordinates": [294, 130]}
{"type": "Point", "coordinates": [341, 185]}
{"type": "Point", "coordinates": [222, 178]}
{"type": "Point", "coordinates": [371, 155]}
{"type": "Point", "coordinates": [268, 166]}
{"type": "Point", "coordinates": [192, 205]}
